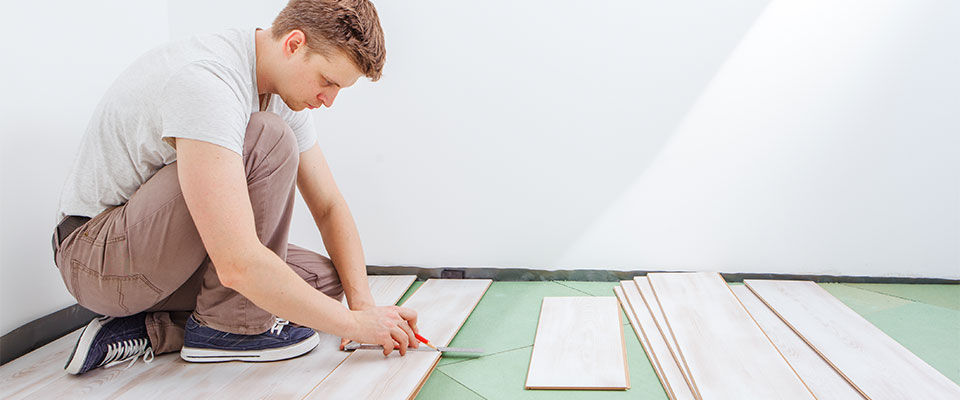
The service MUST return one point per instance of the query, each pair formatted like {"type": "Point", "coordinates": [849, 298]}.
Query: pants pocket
{"type": "Point", "coordinates": [113, 295]}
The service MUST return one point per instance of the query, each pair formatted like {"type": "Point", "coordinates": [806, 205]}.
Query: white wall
{"type": "Point", "coordinates": [828, 143]}
{"type": "Point", "coordinates": [795, 137]}
{"type": "Point", "coordinates": [59, 57]}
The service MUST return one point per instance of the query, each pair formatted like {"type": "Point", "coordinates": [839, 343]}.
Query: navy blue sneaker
{"type": "Point", "coordinates": [107, 341]}
{"type": "Point", "coordinates": [205, 344]}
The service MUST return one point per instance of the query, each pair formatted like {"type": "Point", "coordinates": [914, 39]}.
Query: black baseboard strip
{"type": "Point", "coordinates": [39, 332]}
{"type": "Point", "coordinates": [524, 274]}
{"type": "Point", "coordinates": [44, 330]}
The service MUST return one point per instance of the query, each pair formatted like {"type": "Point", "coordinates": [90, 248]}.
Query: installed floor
{"type": "Point", "coordinates": [924, 318]}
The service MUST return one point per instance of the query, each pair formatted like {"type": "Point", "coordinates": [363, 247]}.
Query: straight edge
{"type": "Point", "coordinates": [678, 357]}
{"type": "Point", "coordinates": [526, 380]}
{"type": "Point", "coordinates": [644, 341]}
{"type": "Point", "coordinates": [623, 346]}
{"type": "Point", "coordinates": [765, 335]}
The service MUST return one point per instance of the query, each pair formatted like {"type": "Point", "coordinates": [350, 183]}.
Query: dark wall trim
{"type": "Point", "coordinates": [524, 274]}
{"type": "Point", "coordinates": [41, 331]}
{"type": "Point", "coordinates": [44, 330]}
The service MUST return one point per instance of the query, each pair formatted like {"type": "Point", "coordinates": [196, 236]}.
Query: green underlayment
{"type": "Point", "coordinates": [923, 317]}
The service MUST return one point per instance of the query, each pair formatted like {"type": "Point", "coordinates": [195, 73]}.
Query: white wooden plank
{"type": "Point", "coordinates": [442, 306]}
{"type": "Point", "coordinates": [168, 376]}
{"type": "Point", "coordinates": [727, 354]}
{"type": "Point", "coordinates": [874, 363]}
{"type": "Point", "coordinates": [29, 372]}
{"type": "Point", "coordinates": [297, 377]}
{"type": "Point", "coordinates": [579, 345]}
{"type": "Point", "coordinates": [819, 376]}
{"type": "Point", "coordinates": [653, 343]}
{"type": "Point", "coordinates": [650, 301]}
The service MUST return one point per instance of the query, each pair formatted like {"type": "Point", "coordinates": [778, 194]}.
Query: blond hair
{"type": "Point", "coordinates": [351, 26]}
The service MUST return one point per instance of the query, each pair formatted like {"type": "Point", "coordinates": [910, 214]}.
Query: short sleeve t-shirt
{"type": "Point", "coordinates": [202, 88]}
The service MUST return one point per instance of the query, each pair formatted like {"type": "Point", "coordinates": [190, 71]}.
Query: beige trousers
{"type": "Point", "coordinates": [146, 255]}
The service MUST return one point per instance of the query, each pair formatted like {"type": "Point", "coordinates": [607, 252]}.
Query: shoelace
{"type": "Point", "coordinates": [128, 350]}
{"type": "Point", "coordinates": [278, 325]}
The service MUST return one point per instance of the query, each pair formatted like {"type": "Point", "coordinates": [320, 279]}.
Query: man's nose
{"type": "Point", "coordinates": [327, 97]}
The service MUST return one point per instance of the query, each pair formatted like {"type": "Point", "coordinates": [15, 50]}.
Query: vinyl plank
{"type": "Point", "coordinates": [878, 366]}
{"type": "Point", "coordinates": [442, 306]}
{"type": "Point", "coordinates": [824, 381]}
{"type": "Point", "coordinates": [579, 345]}
{"type": "Point", "coordinates": [653, 343]}
{"type": "Point", "coordinates": [660, 322]}
{"type": "Point", "coordinates": [726, 353]}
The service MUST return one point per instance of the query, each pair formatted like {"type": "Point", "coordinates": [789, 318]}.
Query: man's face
{"type": "Point", "coordinates": [311, 80]}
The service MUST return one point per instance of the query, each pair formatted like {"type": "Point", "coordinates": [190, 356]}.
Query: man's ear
{"type": "Point", "coordinates": [295, 40]}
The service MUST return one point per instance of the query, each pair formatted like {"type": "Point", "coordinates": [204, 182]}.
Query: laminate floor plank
{"type": "Point", "coordinates": [878, 366]}
{"type": "Point", "coordinates": [653, 342]}
{"type": "Point", "coordinates": [297, 377]}
{"type": "Point", "coordinates": [727, 354]}
{"type": "Point", "coordinates": [30, 372]}
{"type": "Point", "coordinates": [168, 376]}
{"type": "Point", "coordinates": [442, 306]}
{"type": "Point", "coordinates": [579, 345]}
{"type": "Point", "coordinates": [824, 381]}
{"type": "Point", "coordinates": [660, 322]}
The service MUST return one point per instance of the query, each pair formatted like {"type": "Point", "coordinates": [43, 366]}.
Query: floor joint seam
{"type": "Point", "coordinates": [573, 288]}
{"type": "Point", "coordinates": [898, 297]}
{"type": "Point", "coordinates": [491, 354]}
{"type": "Point", "coordinates": [460, 383]}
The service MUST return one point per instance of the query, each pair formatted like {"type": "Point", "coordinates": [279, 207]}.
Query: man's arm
{"type": "Point", "coordinates": [213, 182]}
{"type": "Point", "coordinates": [336, 225]}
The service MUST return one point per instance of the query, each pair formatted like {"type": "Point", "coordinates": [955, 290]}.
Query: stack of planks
{"type": "Point", "coordinates": [768, 340]}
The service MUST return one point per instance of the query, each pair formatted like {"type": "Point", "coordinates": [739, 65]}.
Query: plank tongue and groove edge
{"type": "Point", "coordinates": [878, 366]}
{"type": "Point", "coordinates": [579, 345]}
{"type": "Point", "coordinates": [727, 354]}
{"type": "Point", "coordinates": [820, 377]}
{"type": "Point", "coordinates": [653, 343]}
{"type": "Point", "coordinates": [642, 284]}
{"type": "Point", "coordinates": [40, 373]}
{"type": "Point", "coordinates": [442, 306]}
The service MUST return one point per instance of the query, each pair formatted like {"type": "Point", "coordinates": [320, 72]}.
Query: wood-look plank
{"type": "Point", "coordinates": [637, 330]}
{"type": "Point", "coordinates": [168, 376]}
{"type": "Point", "coordinates": [820, 377]}
{"type": "Point", "coordinates": [276, 381]}
{"type": "Point", "coordinates": [442, 306]}
{"type": "Point", "coordinates": [29, 372]}
{"type": "Point", "coordinates": [653, 343]}
{"type": "Point", "coordinates": [878, 366]}
{"type": "Point", "coordinates": [579, 345]}
{"type": "Point", "coordinates": [727, 354]}
{"type": "Point", "coordinates": [650, 302]}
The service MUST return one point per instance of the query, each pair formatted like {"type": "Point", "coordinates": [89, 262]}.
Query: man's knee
{"type": "Point", "coordinates": [316, 269]}
{"type": "Point", "coordinates": [269, 132]}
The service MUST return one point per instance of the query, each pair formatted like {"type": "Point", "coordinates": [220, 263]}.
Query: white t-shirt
{"type": "Point", "coordinates": [202, 88]}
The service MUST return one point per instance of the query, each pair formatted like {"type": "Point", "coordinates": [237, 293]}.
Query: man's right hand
{"type": "Point", "coordinates": [392, 327]}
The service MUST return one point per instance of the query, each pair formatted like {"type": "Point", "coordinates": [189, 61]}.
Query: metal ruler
{"type": "Point", "coordinates": [356, 346]}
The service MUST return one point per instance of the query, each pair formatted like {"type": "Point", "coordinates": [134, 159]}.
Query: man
{"type": "Point", "coordinates": [175, 216]}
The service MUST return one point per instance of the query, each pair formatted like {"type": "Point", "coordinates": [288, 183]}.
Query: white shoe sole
{"type": "Point", "coordinates": [193, 354]}
{"type": "Point", "coordinates": [89, 332]}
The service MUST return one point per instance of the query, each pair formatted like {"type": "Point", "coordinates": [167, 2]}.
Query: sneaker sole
{"type": "Point", "coordinates": [89, 332]}
{"type": "Point", "coordinates": [194, 354]}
